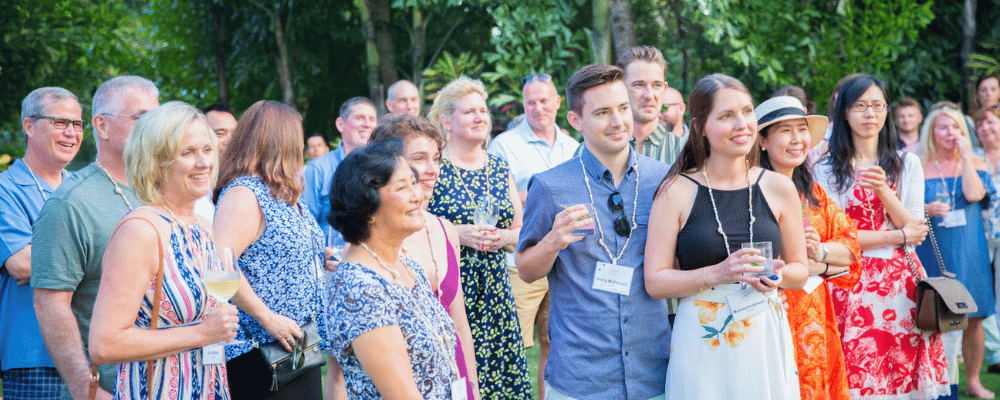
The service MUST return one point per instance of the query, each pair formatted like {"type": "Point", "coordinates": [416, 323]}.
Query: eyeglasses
{"type": "Point", "coordinates": [666, 106]}
{"type": "Point", "coordinates": [877, 106]}
{"type": "Point", "coordinates": [615, 203]}
{"type": "Point", "coordinates": [535, 78]}
{"type": "Point", "coordinates": [132, 117]}
{"type": "Point", "coordinates": [62, 123]}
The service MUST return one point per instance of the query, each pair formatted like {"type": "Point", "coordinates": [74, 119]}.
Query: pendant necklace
{"type": "Point", "coordinates": [114, 182]}
{"type": "Point", "coordinates": [725, 238]}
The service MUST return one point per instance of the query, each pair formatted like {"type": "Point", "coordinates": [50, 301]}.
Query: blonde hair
{"type": "Point", "coordinates": [153, 145]}
{"type": "Point", "coordinates": [267, 143]}
{"type": "Point", "coordinates": [444, 101]}
{"type": "Point", "coordinates": [927, 146]}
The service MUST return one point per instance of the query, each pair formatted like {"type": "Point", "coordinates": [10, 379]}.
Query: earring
{"type": "Point", "coordinates": [371, 221]}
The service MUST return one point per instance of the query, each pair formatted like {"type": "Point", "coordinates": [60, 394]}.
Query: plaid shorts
{"type": "Point", "coordinates": [39, 383]}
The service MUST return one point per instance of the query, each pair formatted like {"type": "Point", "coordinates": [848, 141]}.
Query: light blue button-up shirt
{"type": "Point", "coordinates": [316, 191]}
{"type": "Point", "coordinates": [21, 343]}
{"type": "Point", "coordinates": [604, 345]}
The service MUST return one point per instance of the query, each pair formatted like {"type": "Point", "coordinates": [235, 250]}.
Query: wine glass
{"type": "Point", "coordinates": [943, 196]}
{"type": "Point", "coordinates": [221, 277]}
{"type": "Point", "coordinates": [487, 213]}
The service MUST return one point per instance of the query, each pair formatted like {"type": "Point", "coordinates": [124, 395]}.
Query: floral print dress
{"type": "Point", "coordinates": [489, 303]}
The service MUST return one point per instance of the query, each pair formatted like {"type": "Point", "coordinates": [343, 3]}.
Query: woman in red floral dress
{"type": "Point", "coordinates": [881, 189]}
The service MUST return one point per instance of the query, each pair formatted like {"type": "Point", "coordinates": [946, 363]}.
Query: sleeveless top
{"type": "Point", "coordinates": [699, 243]}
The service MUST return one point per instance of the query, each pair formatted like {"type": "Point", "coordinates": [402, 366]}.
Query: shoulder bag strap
{"type": "Point", "coordinates": [937, 251]}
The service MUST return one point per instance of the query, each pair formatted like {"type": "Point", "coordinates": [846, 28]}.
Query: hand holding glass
{"type": "Point", "coordinates": [765, 251]}
{"type": "Point", "coordinates": [221, 277]}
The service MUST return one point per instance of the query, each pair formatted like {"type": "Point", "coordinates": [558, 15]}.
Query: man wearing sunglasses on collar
{"type": "Point", "coordinates": [610, 340]}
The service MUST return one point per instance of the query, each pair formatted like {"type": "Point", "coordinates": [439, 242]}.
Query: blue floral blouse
{"type": "Point", "coordinates": [363, 300]}
{"type": "Point", "coordinates": [283, 266]}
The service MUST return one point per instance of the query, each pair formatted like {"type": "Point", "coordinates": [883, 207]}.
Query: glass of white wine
{"type": "Point", "coordinates": [221, 277]}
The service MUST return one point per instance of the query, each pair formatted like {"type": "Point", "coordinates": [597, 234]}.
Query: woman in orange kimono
{"type": "Point", "coordinates": [787, 134]}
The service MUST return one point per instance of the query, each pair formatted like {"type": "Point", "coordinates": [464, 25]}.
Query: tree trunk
{"type": "Point", "coordinates": [284, 72]}
{"type": "Point", "coordinates": [600, 37]}
{"type": "Point", "coordinates": [685, 58]}
{"type": "Point", "coordinates": [418, 36]}
{"type": "Point", "coordinates": [379, 10]}
{"type": "Point", "coordinates": [371, 52]}
{"type": "Point", "coordinates": [968, 37]}
{"type": "Point", "coordinates": [220, 55]}
{"type": "Point", "coordinates": [622, 27]}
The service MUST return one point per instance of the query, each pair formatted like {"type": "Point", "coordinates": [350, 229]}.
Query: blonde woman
{"type": "Point", "coordinates": [469, 178]}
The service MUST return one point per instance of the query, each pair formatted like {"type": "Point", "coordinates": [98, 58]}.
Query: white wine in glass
{"type": "Point", "coordinates": [221, 277]}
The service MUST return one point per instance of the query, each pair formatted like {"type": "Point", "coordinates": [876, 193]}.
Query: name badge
{"type": "Point", "coordinates": [812, 283]}
{"type": "Point", "coordinates": [613, 278]}
{"type": "Point", "coordinates": [884, 253]}
{"type": "Point", "coordinates": [955, 218]}
{"type": "Point", "coordinates": [213, 354]}
{"type": "Point", "coordinates": [746, 303]}
{"type": "Point", "coordinates": [458, 391]}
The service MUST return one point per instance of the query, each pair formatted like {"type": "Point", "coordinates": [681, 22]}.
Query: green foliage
{"type": "Point", "coordinates": [448, 68]}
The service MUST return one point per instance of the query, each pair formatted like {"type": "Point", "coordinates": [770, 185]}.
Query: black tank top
{"type": "Point", "coordinates": [699, 243]}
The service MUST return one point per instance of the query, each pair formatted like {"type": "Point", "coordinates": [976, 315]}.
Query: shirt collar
{"type": "Point", "coordinates": [20, 174]}
{"type": "Point", "coordinates": [529, 136]}
{"type": "Point", "coordinates": [598, 171]}
{"type": "Point", "coordinates": [656, 138]}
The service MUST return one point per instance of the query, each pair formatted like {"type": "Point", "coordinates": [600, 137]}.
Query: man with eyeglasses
{"type": "Point", "coordinates": [610, 340]}
{"type": "Point", "coordinates": [535, 145]}
{"type": "Point", "coordinates": [53, 125]}
{"type": "Point", "coordinates": [73, 229]}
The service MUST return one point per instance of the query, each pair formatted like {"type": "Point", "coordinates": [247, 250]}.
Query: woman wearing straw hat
{"type": "Point", "coordinates": [786, 135]}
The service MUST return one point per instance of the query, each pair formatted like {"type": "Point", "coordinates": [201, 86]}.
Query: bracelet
{"type": "Point", "coordinates": [904, 236]}
{"type": "Point", "coordinates": [826, 269]}
{"type": "Point", "coordinates": [699, 278]}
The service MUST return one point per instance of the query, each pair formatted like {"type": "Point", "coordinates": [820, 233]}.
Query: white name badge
{"type": "Point", "coordinates": [955, 218]}
{"type": "Point", "coordinates": [458, 391]}
{"type": "Point", "coordinates": [812, 283]}
{"type": "Point", "coordinates": [884, 253]}
{"type": "Point", "coordinates": [746, 303]}
{"type": "Point", "coordinates": [613, 278]}
{"type": "Point", "coordinates": [213, 354]}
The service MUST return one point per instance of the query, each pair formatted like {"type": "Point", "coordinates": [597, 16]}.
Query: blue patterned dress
{"type": "Point", "coordinates": [283, 267]}
{"type": "Point", "coordinates": [184, 302]}
{"type": "Point", "coordinates": [363, 300]}
{"type": "Point", "coordinates": [489, 304]}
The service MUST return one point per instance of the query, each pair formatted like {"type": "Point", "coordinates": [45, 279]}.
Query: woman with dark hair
{"type": "Point", "coordinates": [392, 337]}
{"type": "Point", "coordinates": [881, 189]}
{"type": "Point", "coordinates": [435, 246]}
{"type": "Point", "coordinates": [786, 134]}
{"type": "Point", "coordinates": [719, 200]}
{"type": "Point", "coordinates": [987, 92]}
{"type": "Point", "coordinates": [261, 216]}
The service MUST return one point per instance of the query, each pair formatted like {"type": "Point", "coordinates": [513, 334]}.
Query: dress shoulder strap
{"type": "Point", "coordinates": [762, 171]}
{"type": "Point", "coordinates": [690, 179]}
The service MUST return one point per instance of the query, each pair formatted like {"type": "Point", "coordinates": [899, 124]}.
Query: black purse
{"type": "Point", "coordinates": [286, 366]}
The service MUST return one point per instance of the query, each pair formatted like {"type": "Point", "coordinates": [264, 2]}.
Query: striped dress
{"type": "Point", "coordinates": [184, 302]}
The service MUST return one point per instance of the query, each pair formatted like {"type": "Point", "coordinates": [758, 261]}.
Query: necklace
{"type": "Point", "coordinates": [394, 273]}
{"type": "Point", "coordinates": [635, 199]}
{"type": "Point", "coordinates": [37, 182]}
{"type": "Point", "coordinates": [950, 189]}
{"type": "Point", "coordinates": [461, 179]}
{"type": "Point", "coordinates": [114, 182]}
{"type": "Point", "coordinates": [437, 267]}
{"type": "Point", "coordinates": [715, 210]}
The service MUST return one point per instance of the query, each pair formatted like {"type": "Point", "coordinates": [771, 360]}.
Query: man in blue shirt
{"type": "Point", "coordinates": [53, 129]}
{"type": "Point", "coordinates": [610, 340]}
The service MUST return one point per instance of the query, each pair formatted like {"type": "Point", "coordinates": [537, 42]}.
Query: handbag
{"type": "Point", "coordinates": [154, 318]}
{"type": "Point", "coordinates": [943, 303]}
{"type": "Point", "coordinates": [286, 366]}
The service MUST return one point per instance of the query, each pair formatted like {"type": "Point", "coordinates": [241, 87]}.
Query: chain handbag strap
{"type": "Point", "coordinates": [937, 252]}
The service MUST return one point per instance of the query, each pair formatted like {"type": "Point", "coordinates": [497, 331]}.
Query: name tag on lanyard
{"type": "Point", "coordinates": [613, 278]}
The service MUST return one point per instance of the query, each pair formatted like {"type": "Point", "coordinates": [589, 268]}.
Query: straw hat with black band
{"type": "Point", "coordinates": [783, 108]}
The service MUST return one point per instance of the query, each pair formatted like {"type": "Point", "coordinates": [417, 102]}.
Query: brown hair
{"type": "Point", "coordinates": [907, 102]}
{"type": "Point", "coordinates": [980, 115]}
{"type": "Point", "coordinates": [267, 143]}
{"type": "Point", "coordinates": [641, 53]}
{"type": "Point", "coordinates": [404, 126]}
{"type": "Point", "coordinates": [799, 94]}
{"type": "Point", "coordinates": [702, 102]}
{"type": "Point", "coordinates": [831, 113]}
{"type": "Point", "coordinates": [587, 77]}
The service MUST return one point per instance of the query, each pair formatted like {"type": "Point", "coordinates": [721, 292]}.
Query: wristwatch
{"type": "Point", "coordinates": [825, 251]}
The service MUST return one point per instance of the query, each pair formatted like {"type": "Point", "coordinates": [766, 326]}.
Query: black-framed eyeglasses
{"type": "Point", "coordinates": [542, 77]}
{"type": "Point", "coordinates": [62, 123]}
{"type": "Point", "coordinates": [622, 227]}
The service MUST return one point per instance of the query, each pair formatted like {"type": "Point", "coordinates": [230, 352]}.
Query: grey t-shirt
{"type": "Point", "coordinates": [71, 234]}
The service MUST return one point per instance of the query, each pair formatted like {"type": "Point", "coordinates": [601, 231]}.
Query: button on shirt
{"type": "Point", "coordinates": [21, 343]}
{"type": "Point", "coordinates": [527, 154]}
{"type": "Point", "coordinates": [604, 345]}
{"type": "Point", "coordinates": [316, 193]}
{"type": "Point", "coordinates": [662, 145]}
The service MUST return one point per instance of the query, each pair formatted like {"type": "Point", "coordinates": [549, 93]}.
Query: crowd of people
{"type": "Point", "coordinates": [759, 251]}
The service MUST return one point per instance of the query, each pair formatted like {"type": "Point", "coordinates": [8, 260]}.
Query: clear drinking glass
{"type": "Point", "coordinates": [589, 228]}
{"type": "Point", "coordinates": [765, 251]}
{"type": "Point", "coordinates": [943, 196]}
{"type": "Point", "coordinates": [221, 277]}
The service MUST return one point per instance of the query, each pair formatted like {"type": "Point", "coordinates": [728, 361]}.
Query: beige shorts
{"type": "Point", "coordinates": [532, 302]}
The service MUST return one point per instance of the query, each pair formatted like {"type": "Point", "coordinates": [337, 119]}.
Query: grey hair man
{"type": "Point", "coordinates": [53, 126]}
{"type": "Point", "coordinates": [73, 229]}
{"type": "Point", "coordinates": [403, 97]}
{"type": "Point", "coordinates": [534, 145]}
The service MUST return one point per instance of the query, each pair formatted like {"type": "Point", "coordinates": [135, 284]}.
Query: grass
{"type": "Point", "coordinates": [990, 381]}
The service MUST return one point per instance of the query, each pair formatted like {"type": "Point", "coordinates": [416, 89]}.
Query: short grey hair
{"type": "Point", "coordinates": [391, 92]}
{"type": "Point", "coordinates": [108, 98]}
{"type": "Point", "coordinates": [37, 102]}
